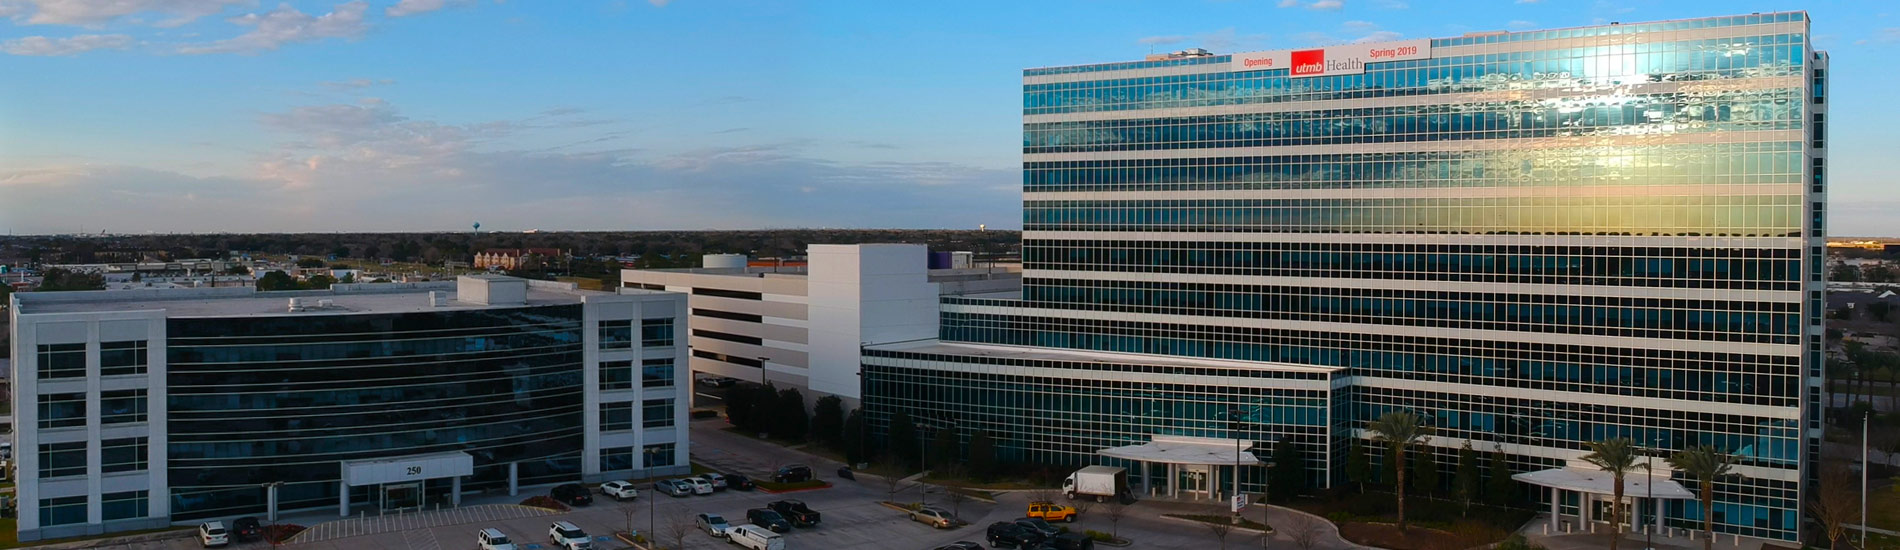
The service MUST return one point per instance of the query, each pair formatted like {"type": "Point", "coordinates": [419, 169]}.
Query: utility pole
{"type": "Point", "coordinates": [1864, 466]}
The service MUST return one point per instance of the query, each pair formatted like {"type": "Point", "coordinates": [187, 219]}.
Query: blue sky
{"type": "Point", "coordinates": [387, 115]}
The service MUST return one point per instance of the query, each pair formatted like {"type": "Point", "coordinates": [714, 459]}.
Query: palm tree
{"type": "Point", "coordinates": [1705, 463]}
{"type": "Point", "coordinates": [1399, 430]}
{"type": "Point", "coordinates": [1616, 456]}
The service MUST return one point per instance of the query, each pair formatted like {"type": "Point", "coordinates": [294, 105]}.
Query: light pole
{"type": "Point", "coordinates": [1649, 533]}
{"type": "Point", "coordinates": [1864, 466]}
{"type": "Point", "coordinates": [647, 459]}
{"type": "Point", "coordinates": [1266, 497]}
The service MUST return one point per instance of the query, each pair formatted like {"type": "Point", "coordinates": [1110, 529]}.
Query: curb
{"type": "Point", "coordinates": [1237, 527]}
{"type": "Point", "coordinates": [827, 485]}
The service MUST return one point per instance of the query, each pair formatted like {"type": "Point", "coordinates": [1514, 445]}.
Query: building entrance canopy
{"type": "Point", "coordinates": [407, 468]}
{"type": "Point", "coordinates": [1597, 482]}
{"type": "Point", "coordinates": [1170, 449]}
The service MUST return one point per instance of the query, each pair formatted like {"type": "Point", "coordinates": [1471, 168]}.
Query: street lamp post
{"type": "Point", "coordinates": [652, 503]}
{"type": "Point", "coordinates": [1649, 533]}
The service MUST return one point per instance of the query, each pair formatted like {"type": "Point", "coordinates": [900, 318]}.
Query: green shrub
{"type": "Point", "coordinates": [1517, 542]}
{"type": "Point", "coordinates": [1098, 536]}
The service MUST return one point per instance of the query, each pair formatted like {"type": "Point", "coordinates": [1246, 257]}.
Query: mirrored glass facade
{"type": "Point", "coordinates": [1534, 239]}
{"type": "Point", "coordinates": [289, 399]}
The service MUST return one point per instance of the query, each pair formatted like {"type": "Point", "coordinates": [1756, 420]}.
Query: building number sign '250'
{"type": "Point", "coordinates": [413, 471]}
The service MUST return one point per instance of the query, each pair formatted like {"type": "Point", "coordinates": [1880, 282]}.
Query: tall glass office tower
{"type": "Point", "coordinates": [1534, 240]}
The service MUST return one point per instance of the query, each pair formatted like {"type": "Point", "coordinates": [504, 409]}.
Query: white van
{"type": "Point", "coordinates": [755, 538]}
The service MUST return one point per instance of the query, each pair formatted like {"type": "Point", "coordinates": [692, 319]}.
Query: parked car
{"type": "Point", "coordinates": [753, 537]}
{"type": "Point", "coordinates": [765, 517]}
{"type": "Point", "coordinates": [673, 487]}
{"type": "Point", "coordinates": [620, 490]}
{"type": "Point", "coordinates": [796, 512]}
{"type": "Point", "coordinates": [719, 381]}
{"type": "Point", "coordinates": [739, 482]}
{"type": "Point", "coordinates": [699, 486]}
{"type": "Point", "coordinates": [960, 545]}
{"type": "Point", "coordinates": [247, 529]}
{"type": "Point", "coordinates": [572, 494]}
{"type": "Point", "coordinates": [713, 524]}
{"type": "Point", "coordinates": [492, 539]}
{"type": "Point", "coordinates": [844, 472]}
{"type": "Point", "coordinates": [934, 517]}
{"type": "Point", "coordinates": [718, 481]}
{"type": "Point", "coordinates": [1008, 533]}
{"type": "Point", "coordinates": [792, 473]}
{"type": "Point", "coordinates": [1050, 511]}
{"type": "Point", "coordinates": [1039, 526]}
{"type": "Point", "coordinates": [1068, 541]}
{"type": "Point", "coordinates": [212, 534]}
{"type": "Point", "coordinates": [567, 536]}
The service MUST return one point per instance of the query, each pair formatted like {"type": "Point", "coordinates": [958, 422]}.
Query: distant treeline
{"type": "Point", "coordinates": [658, 248]}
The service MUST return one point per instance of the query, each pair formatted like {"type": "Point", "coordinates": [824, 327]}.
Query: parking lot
{"type": "Point", "coordinates": [852, 517]}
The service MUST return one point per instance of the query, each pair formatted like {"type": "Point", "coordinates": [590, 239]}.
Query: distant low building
{"type": "Point", "coordinates": [513, 258]}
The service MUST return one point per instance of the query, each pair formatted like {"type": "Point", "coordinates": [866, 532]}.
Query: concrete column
{"type": "Point", "coordinates": [455, 491]}
{"type": "Point", "coordinates": [514, 480]}
{"type": "Point", "coordinates": [270, 502]}
{"type": "Point", "coordinates": [1659, 515]}
{"type": "Point", "coordinates": [1556, 506]}
{"type": "Point", "coordinates": [342, 500]}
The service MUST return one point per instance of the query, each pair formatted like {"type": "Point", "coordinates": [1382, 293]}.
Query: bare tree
{"type": "Point", "coordinates": [893, 478]}
{"type": "Point", "coordinates": [1083, 506]}
{"type": "Point", "coordinates": [1042, 495]}
{"type": "Point", "coordinates": [1220, 530]}
{"type": "Point", "coordinates": [956, 498]}
{"type": "Point", "coordinates": [1304, 530]}
{"type": "Point", "coordinates": [679, 524]}
{"type": "Point", "coordinates": [1115, 510]}
{"type": "Point", "coordinates": [1836, 502]}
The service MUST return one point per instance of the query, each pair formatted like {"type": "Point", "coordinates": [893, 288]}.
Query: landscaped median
{"type": "Point", "coordinates": [1245, 523]}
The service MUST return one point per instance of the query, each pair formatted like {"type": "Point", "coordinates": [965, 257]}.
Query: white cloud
{"type": "Point", "coordinates": [40, 45]}
{"type": "Point", "coordinates": [1377, 36]}
{"type": "Point", "coordinates": [1289, 3]}
{"type": "Point", "coordinates": [287, 25]}
{"type": "Point", "coordinates": [369, 166]}
{"type": "Point", "coordinates": [1394, 4]}
{"type": "Point", "coordinates": [659, 3]}
{"type": "Point", "coordinates": [97, 12]}
{"type": "Point", "coordinates": [1528, 1]}
{"type": "Point", "coordinates": [355, 83]}
{"type": "Point", "coordinates": [415, 7]}
{"type": "Point", "coordinates": [1520, 24]}
{"type": "Point", "coordinates": [1229, 40]}
{"type": "Point", "coordinates": [1889, 34]}
{"type": "Point", "coordinates": [1160, 40]}
{"type": "Point", "coordinates": [1360, 26]}
{"type": "Point", "coordinates": [1326, 5]}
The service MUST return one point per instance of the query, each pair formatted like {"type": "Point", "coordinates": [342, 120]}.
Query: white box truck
{"type": "Point", "coordinates": [1101, 482]}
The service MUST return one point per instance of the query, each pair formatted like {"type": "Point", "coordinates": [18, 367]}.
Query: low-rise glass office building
{"type": "Point", "coordinates": [140, 409]}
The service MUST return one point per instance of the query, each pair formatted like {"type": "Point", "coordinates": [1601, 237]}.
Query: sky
{"type": "Point", "coordinates": [135, 116]}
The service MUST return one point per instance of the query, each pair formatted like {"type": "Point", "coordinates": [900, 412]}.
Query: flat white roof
{"type": "Point", "coordinates": [1063, 354]}
{"type": "Point", "coordinates": [248, 302]}
{"type": "Point", "coordinates": [1172, 449]}
{"type": "Point", "coordinates": [1635, 484]}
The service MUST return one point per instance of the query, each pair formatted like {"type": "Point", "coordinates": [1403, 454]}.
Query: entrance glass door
{"type": "Point", "coordinates": [402, 495]}
{"type": "Point", "coordinates": [1602, 512]}
{"type": "Point", "coordinates": [1193, 480]}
